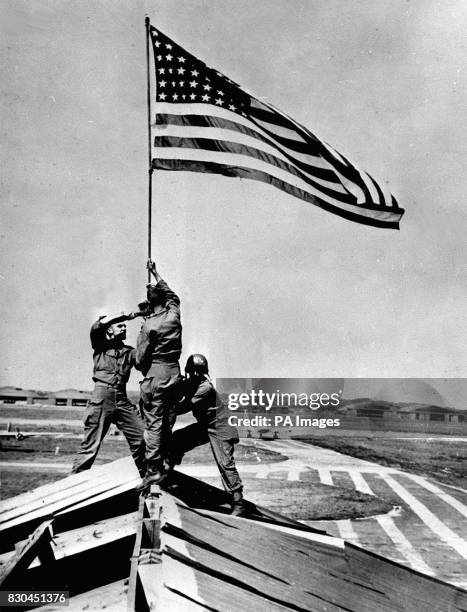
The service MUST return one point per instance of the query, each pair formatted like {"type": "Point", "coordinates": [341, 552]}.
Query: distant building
{"type": "Point", "coordinates": [14, 395]}
{"type": "Point", "coordinates": [437, 413]}
{"type": "Point", "coordinates": [369, 408]}
{"type": "Point", "coordinates": [71, 397]}
{"type": "Point", "coordinates": [65, 397]}
{"type": "Point", "coordinates": [377, 409]}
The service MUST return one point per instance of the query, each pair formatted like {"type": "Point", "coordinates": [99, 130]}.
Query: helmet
{"type": "Point", "coordinates": [196, 365]}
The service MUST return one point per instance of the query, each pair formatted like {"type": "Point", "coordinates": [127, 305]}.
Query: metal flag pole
{"type": "Point", "coordinates": [150, 169]}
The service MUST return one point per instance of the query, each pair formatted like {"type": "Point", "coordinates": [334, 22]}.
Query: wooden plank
{"type": "Point", "coordinates": [274, 588]}
{"type": "Point", "coordinates": [195, 586]}
{"type": "Point", "coordinates": [133, 578]}
{"type": "Point", "coordinates": [65, 496]}
{"type": "Point", "coordinates": [27, 551]}
{"type": "Point", "coordinates": [19, 527]}
{"type": "Point", "coordinates": [305, 573]}
{"type": "Point", "coordinates": [313, 536]}
{"type": "Point", "coordinates": [206, 526]}
{"type": "Point", "coordinates": [107, 597]}
{"type": "Point", "coordinates": [417, 592]}
{"type": "Point", "coordinates": [161, 598]}
{"type": "Point", "coordinates": [370, 583]}
{"type": "Point", "coordinates": [122, 467]}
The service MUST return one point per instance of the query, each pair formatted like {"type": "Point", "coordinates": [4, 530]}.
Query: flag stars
{"type": "Point", "coordinates": [162, 83]}
{"type": "Point", "coordinates": [192, 96]}
{"type": "Point", "coordinates": [175, 97]}
{"type": "Point", "coordinates": [221, 93]}
{"type": "Point", "coordinates": [168, 46]}
{"type": "Point", "coordinates": [219, 101]}
{"type": "Point", "coordinates": [206, 98]}
{"type": "Point", "coordinates": [159, 58]}
{"type": "Point", "coordinates": [193, 83]}
{"type": "Point", "coordinates": [168, 57]}
{"type": "Point", "coordinates": [194, 73]}
{"type": "Point", "coordinates": [181, 83]}
{"type": "Point", "coordinates": [232, 107]}
{"type": "Point", "coordinates": [161, 70]}
{"type": "Point", "coordinates": [207, 87]}
{"type": "Point", "coordinates": [157, 43]}
{"type": "Point", "coordinates": [181, 60]}
{"type": "Point", "coordinates": [162, 96]}
{"type": "Point", "coordinates": [174, 83]}
{"type": "Point", "coordinates": [181, 70]}
{"type": "Point", "coordinates": [170, 70]}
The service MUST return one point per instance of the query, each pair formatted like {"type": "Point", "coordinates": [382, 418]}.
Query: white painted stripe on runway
{"type": "Point", "coordinates": [325, 476]}
{"type": "Point", "coordinates": [403, 545]}
{"type": "Point", "coordinates": [449, 499]}
{"type": "Point", "coordinates": [347, 532]}
{"type": "Point", "coordinates": [432, 521]}
{"type": "Point", "coordinates": [388, 525]}
{"type": "Point", "coordinates": [359, 482]}
{"type": "Point", "coordinates": [294, 469]}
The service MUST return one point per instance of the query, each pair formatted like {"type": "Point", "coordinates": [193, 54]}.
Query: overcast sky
{"type": "Point", "coordinates": [270, 286]}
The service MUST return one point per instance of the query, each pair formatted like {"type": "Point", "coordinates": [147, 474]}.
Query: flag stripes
{"type": "Point", "coordinates": [205, 123]}
{"type": "Point", "coordinates": [375, 216]}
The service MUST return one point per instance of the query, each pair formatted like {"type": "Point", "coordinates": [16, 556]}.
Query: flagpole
{"type": "Point", "coordinates": [150, 169]}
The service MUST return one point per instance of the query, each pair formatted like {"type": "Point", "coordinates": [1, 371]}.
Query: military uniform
{"type": "Point", "coordinates": [109, 403]}
{"type": "Point", "coordinates": [212, 426]}
{"type": "Point", "coordinates": [158, 350]}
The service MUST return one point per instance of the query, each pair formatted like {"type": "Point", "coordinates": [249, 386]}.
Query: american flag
{"type": "Point", "coordinates": [207, 123]}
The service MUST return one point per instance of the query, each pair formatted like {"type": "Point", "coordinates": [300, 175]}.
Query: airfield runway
{"type": "Point", "coordinates": [425, 531]}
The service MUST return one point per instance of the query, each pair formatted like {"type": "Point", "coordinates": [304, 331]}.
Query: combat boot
{"type": "Point", "coordinates": [238, 504]}
{"type": "Point", "coordinates": [151, 477]}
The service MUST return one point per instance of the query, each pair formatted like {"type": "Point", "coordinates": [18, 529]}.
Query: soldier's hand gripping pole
{"type": "Point", "coordinates": [151, 266]}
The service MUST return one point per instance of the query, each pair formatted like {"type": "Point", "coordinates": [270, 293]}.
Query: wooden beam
{"type": "Point", "coordinates": [37, 545]}
{"type": "Point", "coordinates": [133, 585]}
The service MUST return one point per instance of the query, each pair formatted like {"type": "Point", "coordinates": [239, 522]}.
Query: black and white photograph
{"type": "Point", "coordinates": [233, 344]}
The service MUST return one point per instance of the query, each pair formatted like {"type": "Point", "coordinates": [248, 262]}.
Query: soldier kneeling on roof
{"type": "Point", "coordinates": [212, 426]}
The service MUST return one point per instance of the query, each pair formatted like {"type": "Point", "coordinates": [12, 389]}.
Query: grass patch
{"type": "Point", "coordinates": [310, 501]}
{"type": "Point", "coordinates": [114, 447]}
{"type": "Point", "coordinates": [445, 461]}
{"type": "Point", "coordinates": [36, 412]}
{"type": "Point", "coordinates": [17, 482]}
{"type": "Point", "coordinates": [34, 450]}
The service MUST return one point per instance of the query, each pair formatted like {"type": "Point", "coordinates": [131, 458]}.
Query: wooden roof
{"type": "Point", "coordinates": [189, 554]}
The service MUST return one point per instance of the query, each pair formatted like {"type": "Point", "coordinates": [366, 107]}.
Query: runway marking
{"type": "Point", "coordinates": [359, 482]}
{"type": "Point", "coordinates": [432, 521]}
{"type": "Point", "coordinates": [325, 475]}
{"type": "Point", "coordinates": [388, 525]}
{"type": "Point", "coordinates": [293, 472]}
{"type": "Point", "coordinates": [347, 532]}
{"type": "Point", "coordinates": [345, 527]}
{"type": "Point", "coordinates": [403, 545]}
{"type": "Point", "coordinates": [449, 499]}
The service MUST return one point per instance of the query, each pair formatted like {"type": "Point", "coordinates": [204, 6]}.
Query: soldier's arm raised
{"type": "Point", "coordinates": [143, 350]}
{"type": "Point", "coordinates": [99, 328]}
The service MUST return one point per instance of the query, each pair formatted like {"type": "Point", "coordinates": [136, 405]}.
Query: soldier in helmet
{"type": "Point", "coordinates": [113, 360]}
{"type": "Point", "coordinates": [200, 397]}
{"type": "Point", "coordinates": [158, 350]}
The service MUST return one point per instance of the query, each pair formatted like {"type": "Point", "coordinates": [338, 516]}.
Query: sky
{"type": "Point", "coordinates": [270, 286]}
